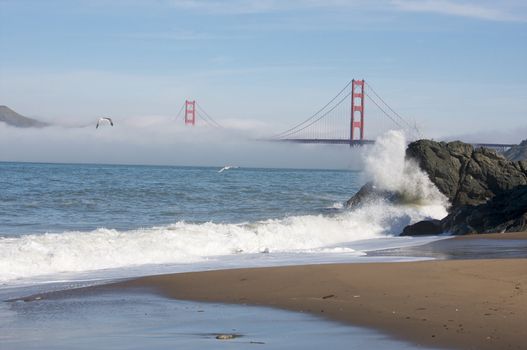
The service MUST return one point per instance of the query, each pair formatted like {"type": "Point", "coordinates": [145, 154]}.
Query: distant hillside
{"type": "Point", "coordinates": [10, 117]}
{"type": "Point", "coordinates": [517, 152]}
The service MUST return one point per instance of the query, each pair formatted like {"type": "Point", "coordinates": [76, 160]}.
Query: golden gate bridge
{"type": "Point", "coordinates": [339, 121]}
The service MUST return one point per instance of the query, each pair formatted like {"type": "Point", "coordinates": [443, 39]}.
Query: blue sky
{"type": "Point", "coordinates": [455, 67]}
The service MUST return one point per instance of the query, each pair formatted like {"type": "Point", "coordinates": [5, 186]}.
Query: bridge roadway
{"type": "Point", "coordinates": [332, 141]}
{"type": "Point", "coordinates": [500, 146]}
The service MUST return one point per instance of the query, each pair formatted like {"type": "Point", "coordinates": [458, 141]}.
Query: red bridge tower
{"type": "Point", "coordinates": [357, 108]}
{"type": "Point", "coordinates": [190, 112]}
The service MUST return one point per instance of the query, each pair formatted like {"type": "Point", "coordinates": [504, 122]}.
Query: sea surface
{"type": "Point", "coordinates": [40, 198]}
{"type": "Point", "coordinates": [61, 222]}
{"type": "Point", "coordinates": [66, 226]}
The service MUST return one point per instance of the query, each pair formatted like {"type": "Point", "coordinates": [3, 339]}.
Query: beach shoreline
{"type": "Point", "coordinates": [453, 303]}
{"type": "Point", "coordinates": [461, 304]}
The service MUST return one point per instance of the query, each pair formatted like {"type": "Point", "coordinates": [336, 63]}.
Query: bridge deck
{"type": "Point", "coordinates": [494, 145]}
{"type": "Point", "coordinates": [371, 142]}
{"type": "Point", "coordinates": [332, 141]}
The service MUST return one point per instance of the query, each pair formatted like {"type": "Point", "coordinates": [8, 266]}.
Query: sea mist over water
{"type": "Point", "coordinates": [30, 255]}
{"type": "Point", "coordinates": [162, 140]}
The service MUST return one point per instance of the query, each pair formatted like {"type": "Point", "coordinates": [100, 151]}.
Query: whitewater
{"type": "Point", "coordinates": [82, 222]}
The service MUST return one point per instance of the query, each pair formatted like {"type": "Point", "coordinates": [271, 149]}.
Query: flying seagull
{"type": "Point", "coordinates": [227, 167]}
{"type": "Point", "coordinates": [101, 120]}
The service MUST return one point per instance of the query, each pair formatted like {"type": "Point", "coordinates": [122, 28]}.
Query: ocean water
{"type": "Point", "coordinates": [66, 226]}
{"type": "Point", "coordinates": [71, 222]}
{"type": "Point", "coordinates": [57, 198]}
{"type": "Point", "coordinates": [58, 220]}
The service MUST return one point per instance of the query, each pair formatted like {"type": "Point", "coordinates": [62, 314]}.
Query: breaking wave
{"type": "Point", "coordinates": [388, 169]}
{"type": "Point", "coordinates": [72, 251]}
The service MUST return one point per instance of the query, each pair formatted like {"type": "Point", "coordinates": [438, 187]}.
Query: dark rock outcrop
{"type": "Point", "coordinates": [10, 117]}
{"type": "Point", "coordinates": [488, 193]}
{"type": "Point", "coordinates": [369, 192]}
{"type": "Point", "coordinates": [425, 227]}
{"type": "Point", "coordinates": [506, 212]}
{"type": "Point", "coordinates": [517, 153]}
{"type": "Point", "coordinates": [467, 176]}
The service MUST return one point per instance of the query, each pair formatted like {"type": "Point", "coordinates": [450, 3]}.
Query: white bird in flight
{"type": "Point", "coordinates": [105, 119]}
{"type": "Point", "coordinates": [227, 167]}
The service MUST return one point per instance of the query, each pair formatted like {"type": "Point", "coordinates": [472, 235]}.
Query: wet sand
{"type": "Point", "coordinates": [465, 304]}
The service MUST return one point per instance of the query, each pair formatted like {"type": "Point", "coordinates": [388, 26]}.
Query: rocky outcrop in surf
{"type": "Point", "coordinates": [369, 192]}
{"type": "Point", "coordinates": [487, 192]}
{"type": "Point", "coordinates": [395, 178]}
{"type": "Point", "coordinates": [506, 212]}
{"type": "Point", "coordinates": [467, 176]}
{"type": "Point", "coordinates": [425, 227]}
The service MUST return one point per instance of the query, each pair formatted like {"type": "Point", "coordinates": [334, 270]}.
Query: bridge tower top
{"type": "Point", "coordinates": [357, 108]}
{"type": "Point", "coordinates": [190, 112]}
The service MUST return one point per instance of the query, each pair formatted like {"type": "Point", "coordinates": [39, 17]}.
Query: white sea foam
{"type": "Point", "coordinates": [32, 255]}
{"type": "Point", "coordinates": [336, 205]}
{"type": "Point", "coordinates": [388, 169]}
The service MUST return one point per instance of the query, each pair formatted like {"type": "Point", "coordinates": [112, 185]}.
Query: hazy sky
{"type": "Point", "coordinates": [258, 66]}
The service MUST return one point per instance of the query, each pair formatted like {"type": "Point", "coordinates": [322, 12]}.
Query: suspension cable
{"type": "Point", "coordinates": [206, 119]}
{"type": "Point", "coordinates": [322, 116]}
{"type": "Point", "coordinates": [214, 122]}
{"type": "Point", "coordinates": [202, 117]}
{"type": "Point", "coordinates": [283, 133]}
{"type": "Point", "coordinates": [385, 113]}
{"type": "Point", "coordinates": [179, 113]}
{"type": "Point", "coordinates": [391, 109]}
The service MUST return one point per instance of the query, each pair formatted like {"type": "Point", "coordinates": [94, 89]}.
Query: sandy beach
{"type": "Point", "coordinates": [465, 304]}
